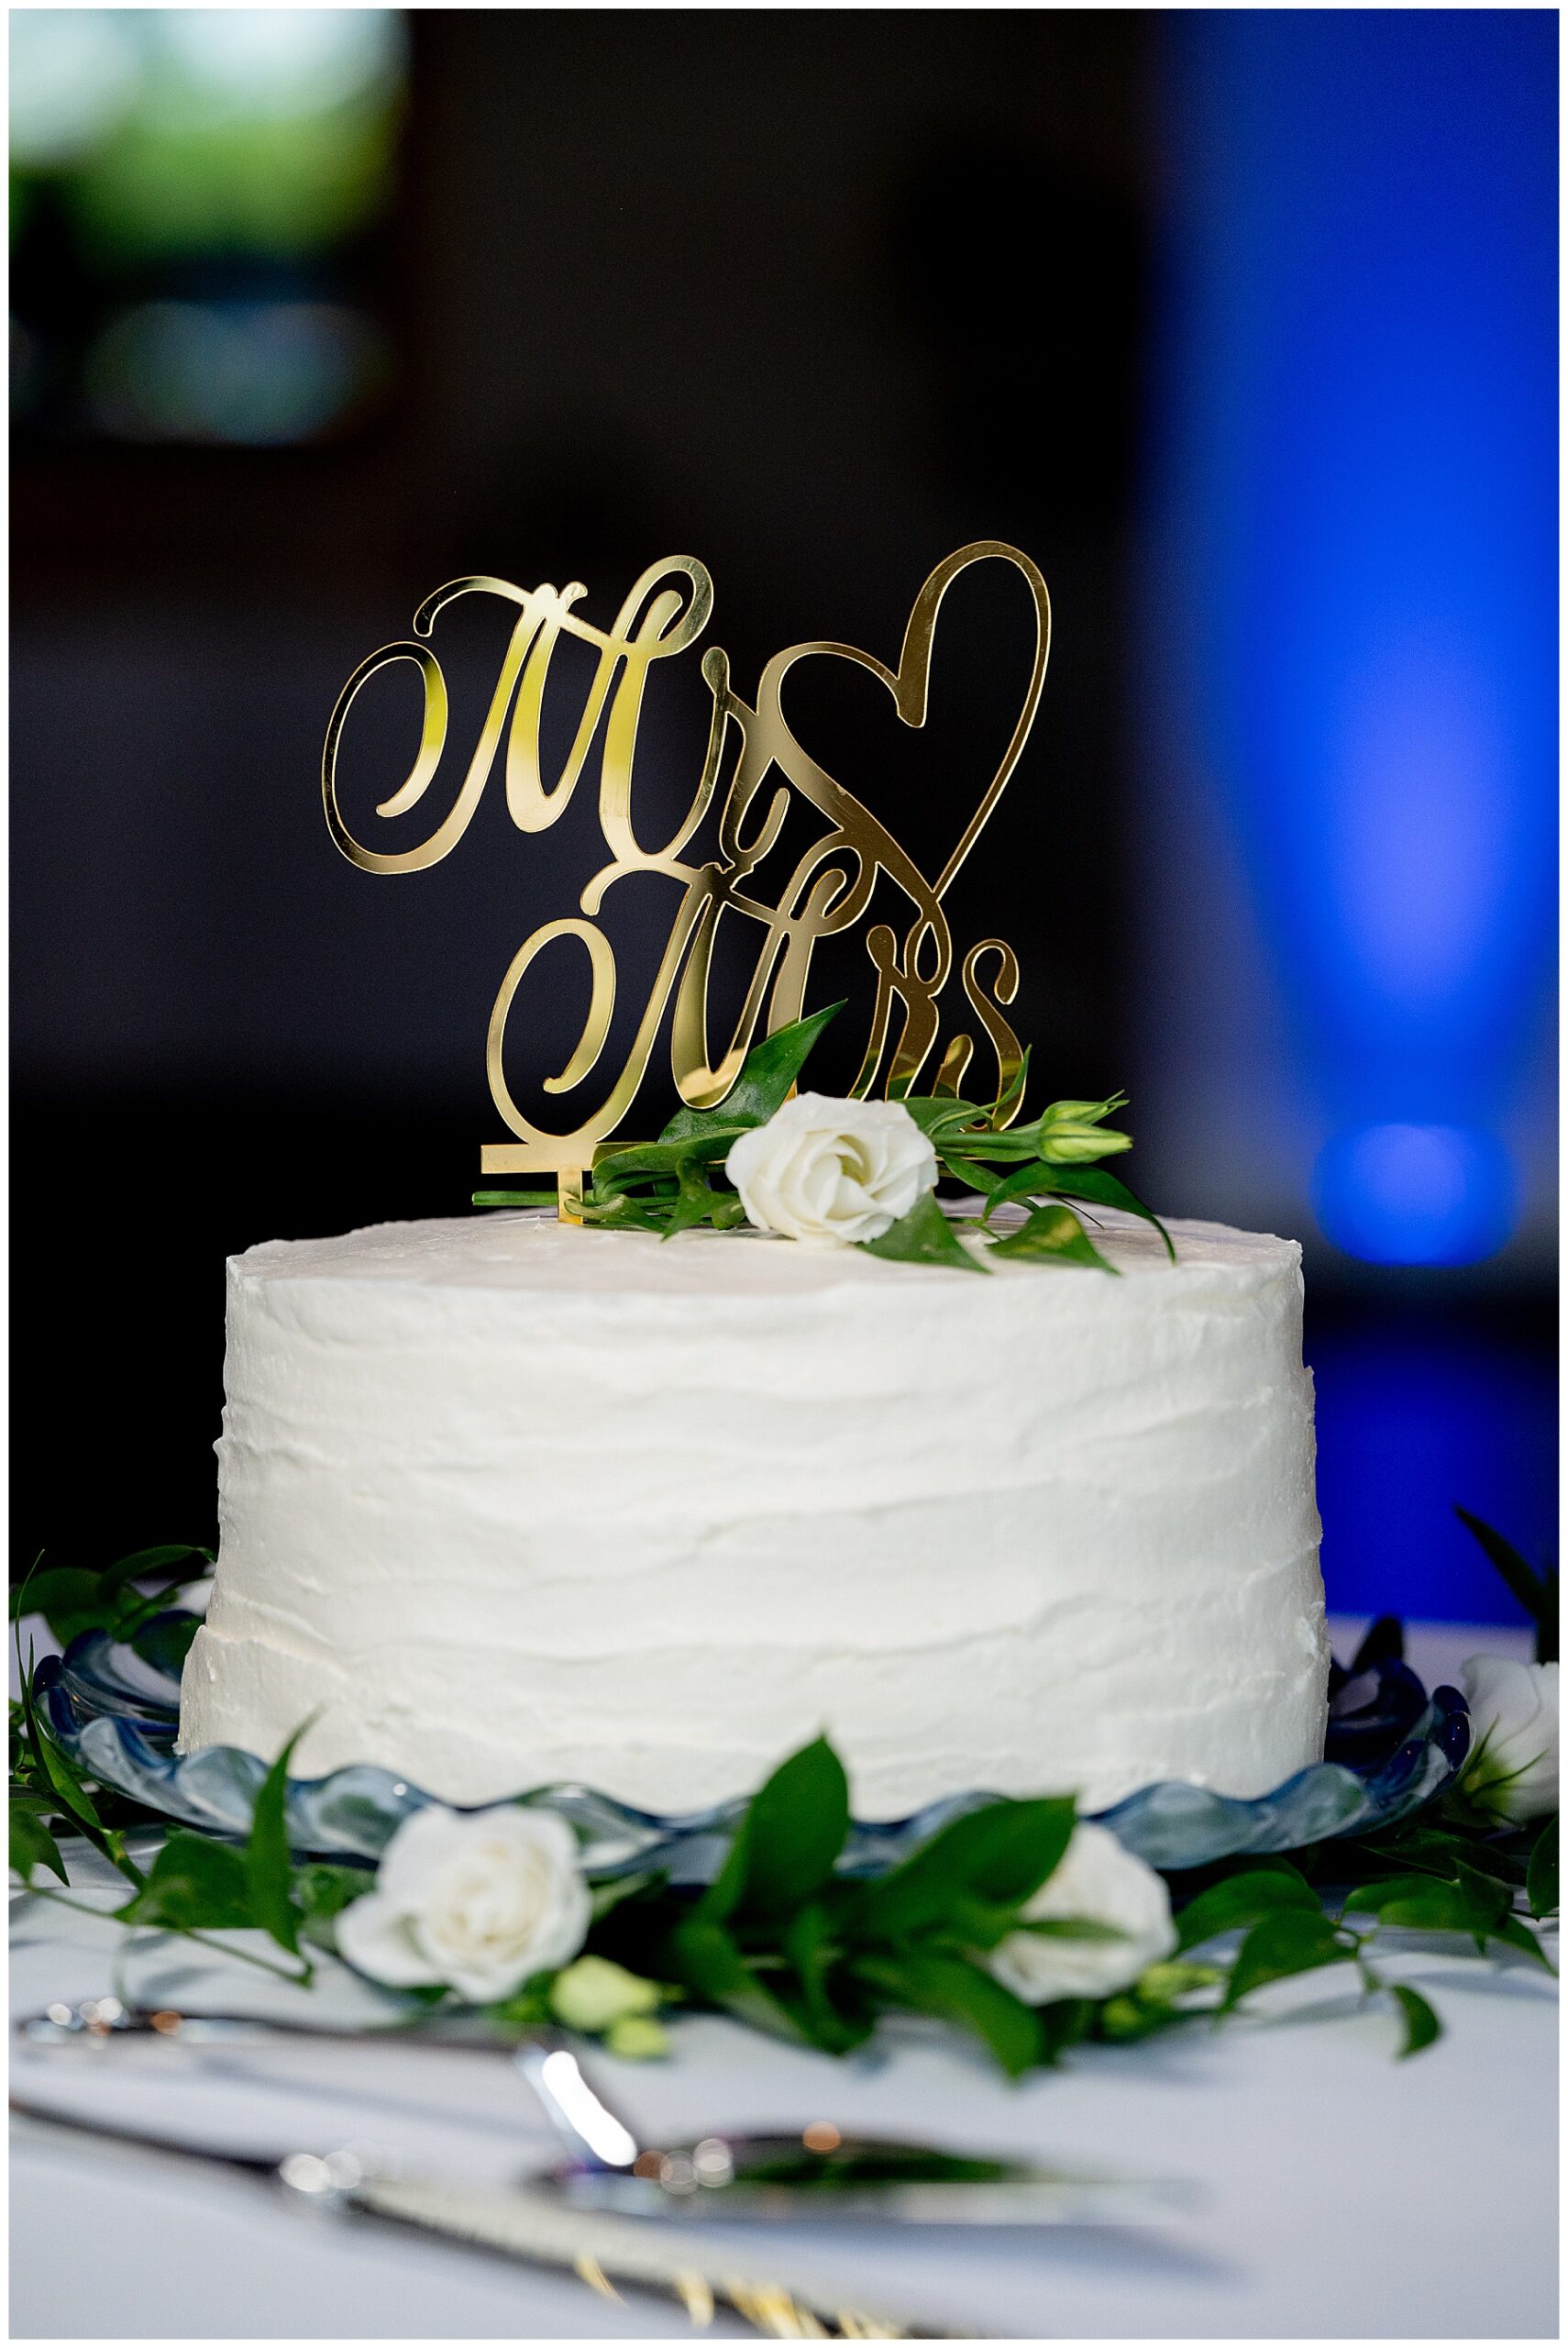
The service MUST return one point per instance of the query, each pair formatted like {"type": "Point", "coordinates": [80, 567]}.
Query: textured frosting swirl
{"type": "Point", "coordinates": [514, 1503]}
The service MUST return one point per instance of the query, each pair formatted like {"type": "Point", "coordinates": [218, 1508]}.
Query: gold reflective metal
{"type": "Point", "coordinates": [829, 888]}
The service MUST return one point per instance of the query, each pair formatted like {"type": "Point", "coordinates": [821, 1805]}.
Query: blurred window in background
{"type": "Point", "coordinates": [199, 202]}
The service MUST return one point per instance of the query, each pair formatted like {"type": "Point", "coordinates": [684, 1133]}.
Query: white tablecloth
{"type": "Point", "coordinates": [1338, 2193]}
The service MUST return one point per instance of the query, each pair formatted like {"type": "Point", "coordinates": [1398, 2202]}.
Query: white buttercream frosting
{"type": "Point", "coordinates": [513, 1502]}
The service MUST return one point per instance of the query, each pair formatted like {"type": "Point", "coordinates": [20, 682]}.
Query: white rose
{"type": "Point", "coordinates": [1512, 1767]}
{"type": "Point", "coordinates": [832, 1172]}
{"type": "Point", "coordinates": [1099, 1882]}
{"type": "Point", "coordinates": [478, 1901]}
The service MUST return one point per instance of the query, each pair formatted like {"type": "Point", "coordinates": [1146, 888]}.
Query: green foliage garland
{"type": "Point", "coordinates": [783, 1941]}
{"type": "Point", "coordinates": [668, 1185]}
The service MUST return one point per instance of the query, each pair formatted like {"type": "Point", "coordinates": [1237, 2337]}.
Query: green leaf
{"type": "Point", "coordinates": [1436, 1850]}
{"type": "Point", "coordinates": [1422, 2024]}
{"type": "Point", "coordinates": [1014, 1088]}
{"type": "Point", "coordinates": [620, 1213]}
{"type": "Point", "coordinates": [18, 1588]}
{"type": "Point", "coordinates": [516, 1199]}
{"type": "Point", "coordinates": [1515, 1933]}
{"type": "Point", "coordinates": [785, 1848]}
{"type": "Point", "coordinates": [321, 1892]}
{"type": "Point", "coordinates": [267, 1871]}
{"type": "Point", "coordinates": [924, 1235]}
{"type": "Point", "coordinates": [73, 1598]}
{"type": "Point", "coordinates": [1541, 1877]}
{"type": "Point", "coordinates": [1002, 1853]}
{"type": "Point", "coordinates": [702, 1955]}
{"type": "Point", "coordinates": [809, 1943]}
{"type": "Point", "coordinates": [606, 1896]}
{"type": "Point", "coordinates": [1091, 1183]}
{"type": "Point", "coordinates": [1053, 1235]}
{"type": "Point", "coordinates": [954, 1990]}
{"type": "Point", "coordinates": [326, 1887]}
{"type": "Point", "coordinates": [942, 1118]}
{"type": "Point", "coordinates": [32, 1844]}
{"type": "Point", "coordinates": [642, 1161]}
{"type": "Point", "coordinates": [696, 1200]}
{"type": "Point", "coordinates": [1043, 1180]}
{"type": "Point", "coordinates": [1536, 1592]}
{"type": "Point", "coordinates": [526, 2009]}
{"type": "Point", "coordinates": [168, 1562]}
{"type": "Point", "coordinates": [724, 1895]}
{"type": "Point", "coordinates": [59, 1774]}
{"type": "Point", "coordinates": [1290, 1941]}
{"type": "Point", "coordinates": [970, 1172]}
{"type": "Point", "coordinates": [1482, 1857]}
{"type": "Point", "coordinates": [1034, 1176]}
{"type": "Point", "coordinates": [61, 1594]}
{"type": "Point", "coordinates": [193, 1885]}
{"type": "Point", "coordinates": [798, 1821]}
{"type": "Point", "coordinates": [1065, 2023]}
{"type": "Point", "coordinates": [1242, 1900]}
{"type": "Point", "coordinates": [763, 1085]}
{"type": "Point", "coordinates": [1425, 1903]}
{"type": "Point", "coordinates": [1069, 1928]}
{"type": "Point", "coordinates": [969, 1925]}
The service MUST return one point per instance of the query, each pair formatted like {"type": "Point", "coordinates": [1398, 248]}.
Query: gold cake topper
{"type": "Point", "coordinates": [829, 890]}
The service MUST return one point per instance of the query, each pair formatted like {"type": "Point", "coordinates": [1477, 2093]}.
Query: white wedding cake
{"type": "Point", "coordinates": [507, 1503]}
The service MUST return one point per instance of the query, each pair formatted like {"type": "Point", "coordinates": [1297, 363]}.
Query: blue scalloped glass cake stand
{"type": "Point", "coordinates": [1391, 1749]}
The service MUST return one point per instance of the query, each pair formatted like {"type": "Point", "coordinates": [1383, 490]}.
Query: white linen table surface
{"type": "Point", "coordinates": [1338, 2193]}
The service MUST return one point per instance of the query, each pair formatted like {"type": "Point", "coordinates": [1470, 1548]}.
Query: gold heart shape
{"type": "Point", "coordinates": [859, 830]}
{"type": "Point", "coordinates": [909, 686]}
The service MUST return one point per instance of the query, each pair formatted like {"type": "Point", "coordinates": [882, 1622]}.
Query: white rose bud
{"type": "Point", "coordinates": [1072, 1131]}
{"type": "Point", "coordinates": [1512, 1768]}
{"type": "Point", "coordinates": [832, 1172]}
{"type": "Point", "coordinates": [637, 2038]}
{"type": "Point", "coordinates": [1096, 1881]}
{"type": "Point", "coordinates": [479, 1902]}
{"type": "Point", "coordinates": [1072, 1144]}
{"type": "Point", "coordinates": [595, 1993]}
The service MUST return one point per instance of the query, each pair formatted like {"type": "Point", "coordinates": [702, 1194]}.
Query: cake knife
{"type": "Point", "coordinates": [357, 2181]}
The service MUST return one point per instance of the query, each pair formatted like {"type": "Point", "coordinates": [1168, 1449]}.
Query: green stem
{"type": "Point", "coordinates": [1372, 1984]}
{"type": "Point", "coordinates": [301, 1980]}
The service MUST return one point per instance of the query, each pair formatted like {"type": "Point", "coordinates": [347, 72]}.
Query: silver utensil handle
{"type": "Point", "coordinates": [606, 2250]}
{"type": "Point", "coordinates": [597, 2249]}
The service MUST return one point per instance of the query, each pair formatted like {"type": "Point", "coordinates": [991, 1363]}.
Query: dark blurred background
{"type": "Point", "coordinates": [1242, 325]}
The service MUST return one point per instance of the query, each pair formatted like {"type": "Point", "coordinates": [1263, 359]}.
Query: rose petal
{"type": "Point", "coordinates": [421, 1842]}
{"type": "Point", "coordinates": [373, 1937]}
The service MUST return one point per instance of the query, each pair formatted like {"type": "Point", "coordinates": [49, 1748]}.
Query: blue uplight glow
{"type": "Point", "coordinates": [1414, 1194]}
{"type": "Point", "coordinates": [1363, 454]}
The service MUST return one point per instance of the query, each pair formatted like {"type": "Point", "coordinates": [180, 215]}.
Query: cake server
{"type": "Point", "coordinates": [602, 2249]}
{"type": "Point", "coordinates": [814, 2175]}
